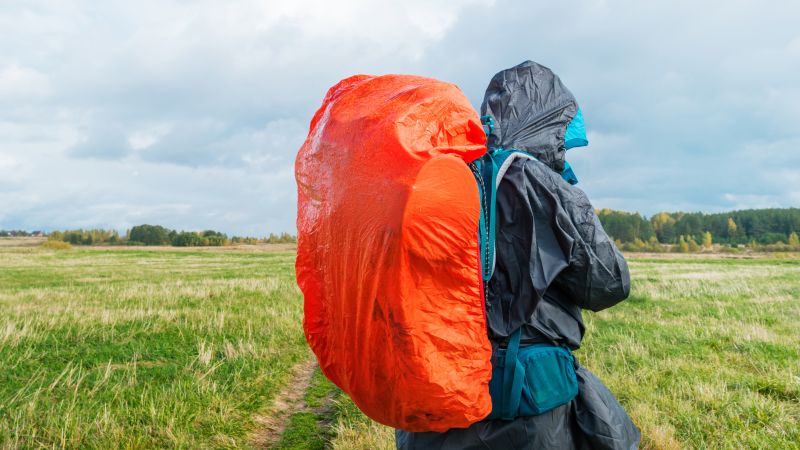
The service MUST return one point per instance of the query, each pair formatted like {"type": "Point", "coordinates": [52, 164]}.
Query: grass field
{"type": "Point", "coordinates": [140, 348]}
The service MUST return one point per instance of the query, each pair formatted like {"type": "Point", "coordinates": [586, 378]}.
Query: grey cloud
{"type": "Point", "coordinates": [217, 144]}
{"type": "Point", "coordinates": [104, 142]}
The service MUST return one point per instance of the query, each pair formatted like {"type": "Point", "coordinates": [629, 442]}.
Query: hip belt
{"type": "Point", "coordinates": [531, 380]}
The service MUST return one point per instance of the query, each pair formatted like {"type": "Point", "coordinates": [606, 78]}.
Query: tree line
{"type": "Point", "coordinates": [158, 235]}
{"type": "Point", "coordinates": [760, 229]}
{"type": "Point", "coordinates": [21, 233]}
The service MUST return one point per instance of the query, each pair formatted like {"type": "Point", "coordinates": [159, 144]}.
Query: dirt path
{"type": "Point", "coordinates": [272, 423]}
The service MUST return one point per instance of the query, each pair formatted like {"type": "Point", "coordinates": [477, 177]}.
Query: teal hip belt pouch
{"type": "Point", "coordinates": [531, 380]}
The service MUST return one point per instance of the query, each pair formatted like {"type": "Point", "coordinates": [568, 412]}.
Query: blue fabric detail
{"type": "Point", "coordinates": [568, 175]}
{"type": "Point", "coordinates": [500, 155]}
{"type": "Point", "coordinates": [489, 122]}
{"type": "Point", "coordinates": [576, 132]}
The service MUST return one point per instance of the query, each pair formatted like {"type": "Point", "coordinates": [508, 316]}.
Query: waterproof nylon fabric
{"type": "Point", "coordinates": [552, 259]}
{"type": "Point", "coordinates": [549, 240]}
{"type": "Point", "coordinates": [388, 258]}
{"type": "Point", "coordinates": [531, 110]}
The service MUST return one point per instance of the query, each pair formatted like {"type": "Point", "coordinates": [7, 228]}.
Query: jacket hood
{"type": "Point", "coordinates": [533, 111]}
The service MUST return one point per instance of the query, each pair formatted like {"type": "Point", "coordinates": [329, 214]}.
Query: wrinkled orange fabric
{"type": "Point", "coordinates": [387, 253]}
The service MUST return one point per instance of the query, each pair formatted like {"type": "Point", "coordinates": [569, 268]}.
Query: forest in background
{"type": "Point", "coordinates": [758, 229]}
{"type": "Point", "coordinates": [774, 229]}
{"type": "Point", "coordinates": [147, 235]}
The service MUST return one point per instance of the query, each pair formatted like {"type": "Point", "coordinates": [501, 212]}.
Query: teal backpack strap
{"type": "Point", "coordinates": [490, 178]}
{"type": "Point", "coordinates": [485, 171]}
{"type": "Point", "coordinates": [514, 375]}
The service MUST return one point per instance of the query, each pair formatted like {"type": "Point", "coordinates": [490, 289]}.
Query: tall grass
{"type": "Point", "coordinates": [142, 349]}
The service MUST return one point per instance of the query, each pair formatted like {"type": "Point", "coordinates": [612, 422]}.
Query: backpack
{"type": "Point", "coordinates": [388, 259]}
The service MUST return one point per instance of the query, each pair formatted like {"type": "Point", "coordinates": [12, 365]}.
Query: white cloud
{"type": "Point", "coordinates": [7, 164]}
{"type": "Point", "coordinates": [148, 136]}
{"type": "Point", "coordinates": [22, 83]}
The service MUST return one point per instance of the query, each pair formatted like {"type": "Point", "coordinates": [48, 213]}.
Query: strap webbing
{"type": "Point", "coordinates": [513, 377]}
{"type": "Point", "coordinates": [490, 179]}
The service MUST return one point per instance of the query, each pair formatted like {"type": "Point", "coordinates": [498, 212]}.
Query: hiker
{"type": "Point", "coordinates": [551, 259]}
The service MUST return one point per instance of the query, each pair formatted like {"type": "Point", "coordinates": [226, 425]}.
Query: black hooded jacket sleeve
{"type": "Point", "coordinates": [548, 240]}
{"type": "Point", "coordinates": [597, 275]}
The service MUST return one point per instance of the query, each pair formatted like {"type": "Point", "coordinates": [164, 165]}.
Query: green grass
{"type": "Point", "coordinates": [140, 348]}
{"type": "Point", "coordinates": [311, 427]}
{"type": "Point", "coordinates": [706, 352]}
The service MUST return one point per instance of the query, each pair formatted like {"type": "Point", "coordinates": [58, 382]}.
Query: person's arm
{"type": "Point", "coordinates": [570, 242]}
{"type": "Point", "coordinates": [597, 276]}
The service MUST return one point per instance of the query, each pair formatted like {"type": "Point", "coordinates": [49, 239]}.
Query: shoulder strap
{"type": "Point", "coordinates": [485, 171]}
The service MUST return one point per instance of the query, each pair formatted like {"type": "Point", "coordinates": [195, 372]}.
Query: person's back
{"type": "Point", "coordinates": [552, 258]}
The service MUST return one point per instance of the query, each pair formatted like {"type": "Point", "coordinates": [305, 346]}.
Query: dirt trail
{"type": "Point", "coordinates": [272, 423]}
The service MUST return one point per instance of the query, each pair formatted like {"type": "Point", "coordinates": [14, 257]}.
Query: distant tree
{"type": "Point", "coordinates": [683, 246]}
{"type": "Point", "coordinates": [663, 225]}
{"type": "Point", "coordinates": [214, 238]}
{"type": "Point", "coordinates": [637, 245]}
{"type": "Point", "coordinates": [283, 238]}
{"type": "Point", "coordinates": [732, 227]}
{"type": "Point", "coordinates": [56, 236]}
{"type": "Point", "coordinates": [692, 244]}
{"type": "Point", "coordinates": [707, 240]}
{"type": "Point", "coordinates": [770, 237]}
{"type": "Point", "coordinates": [625, 226]}
{"type": "Point", "coordinates": [654, 246]}
{"type": "Point", "coordinates": [689, 224]}
{"type": "Point", "coordinates": [85, 237]}
{"type": "Point", "coordinates": [187, 239]}
{"type": "Point", "coordinates": [286, 238]}
{"type": "Point", "coordinates": [149, 235]}
{"type": "Point", "coordinates": [244, 240]}
{"type": "Point", "coordinates": [794, 241]}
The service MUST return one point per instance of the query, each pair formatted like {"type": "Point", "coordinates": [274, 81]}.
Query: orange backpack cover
{"type": "Point", "coordinates": [387, 253]}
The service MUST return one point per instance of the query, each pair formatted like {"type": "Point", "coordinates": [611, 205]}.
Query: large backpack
{"type": "Point", "coordinates": [388, 250]}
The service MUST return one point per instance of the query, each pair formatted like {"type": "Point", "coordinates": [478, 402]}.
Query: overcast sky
{"type": "Point", "coordinates": [189, 114]}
